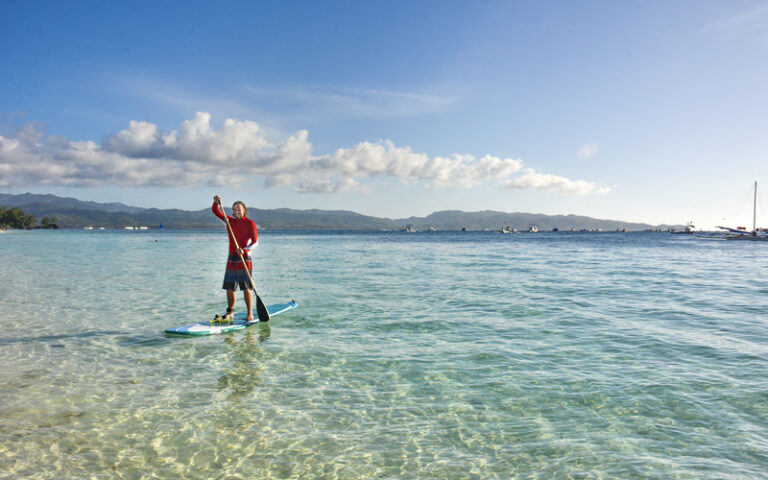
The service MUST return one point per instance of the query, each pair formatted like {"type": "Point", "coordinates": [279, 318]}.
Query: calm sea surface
{"type": "Point", "coordinates": [411, 356]}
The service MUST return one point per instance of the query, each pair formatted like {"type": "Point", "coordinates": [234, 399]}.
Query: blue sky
{"type": "Point", "coordinates": [650, 111]}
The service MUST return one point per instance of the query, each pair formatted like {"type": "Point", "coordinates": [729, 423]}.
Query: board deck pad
{"type": "Point", "coordinates": [239, 323]}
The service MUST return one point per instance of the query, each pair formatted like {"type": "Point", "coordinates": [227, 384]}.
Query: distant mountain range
{"type": "Point", "coordinates": [73, 213]}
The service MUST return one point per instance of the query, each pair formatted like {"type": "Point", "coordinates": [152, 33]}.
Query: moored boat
{"type": "Point", "coordinates": [741, 233]}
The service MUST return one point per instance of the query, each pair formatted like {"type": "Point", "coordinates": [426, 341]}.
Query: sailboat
{"type": "Point", "coordinates": [741, 233]}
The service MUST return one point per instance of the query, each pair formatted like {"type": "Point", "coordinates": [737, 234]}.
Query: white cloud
{"type": "Point", "coordinates": [327, 186]}
{"type": "Point", "coordinates": [235, 143]}
{"type": "Point", "coordinates": [587, 150]}
{"type": "Point", "coordinates": [239, 153]}
{"type": "Point", "coordinates": [532, 179]}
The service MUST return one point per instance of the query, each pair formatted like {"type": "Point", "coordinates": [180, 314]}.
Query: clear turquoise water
{"type": "Point", "coordinates": [411, 356]}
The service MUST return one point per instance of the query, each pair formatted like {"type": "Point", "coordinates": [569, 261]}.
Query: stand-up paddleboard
{"type": "Point", "coordinates": [239, 323]}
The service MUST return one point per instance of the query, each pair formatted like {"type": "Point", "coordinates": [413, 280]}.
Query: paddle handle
{"type": "Point", "coordinates": [245, 266]}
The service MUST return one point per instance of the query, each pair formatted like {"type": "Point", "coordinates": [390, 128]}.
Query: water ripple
{"type": "Point", "coordinates": [448, 355]}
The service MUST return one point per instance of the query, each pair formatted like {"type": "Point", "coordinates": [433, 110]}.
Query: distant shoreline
{"type": "Point", "coordinates": [74, 213]}
{"type": "Point", "coordinates": [299, 231]}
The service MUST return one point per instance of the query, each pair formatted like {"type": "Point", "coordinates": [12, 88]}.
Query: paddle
{"type": "Point", "coordinates": [261, 309]}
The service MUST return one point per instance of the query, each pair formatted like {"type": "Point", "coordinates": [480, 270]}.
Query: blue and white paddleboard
{"type": "Point", "coordinates": [239, 323]}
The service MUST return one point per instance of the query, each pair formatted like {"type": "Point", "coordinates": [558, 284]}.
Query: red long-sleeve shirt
{"type": "Point", "coordinates": [245, 230]}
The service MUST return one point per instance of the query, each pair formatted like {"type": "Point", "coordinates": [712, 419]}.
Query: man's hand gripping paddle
{"type": "Point", "coordinates": [261, 309]}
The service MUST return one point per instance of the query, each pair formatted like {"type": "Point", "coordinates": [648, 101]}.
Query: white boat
{"type": "Point", "coordinates": [741, 233]}
{"type": "Point", "coordinates": [533, 229]}
{"type": "Point", "coordinates": [690, 228]}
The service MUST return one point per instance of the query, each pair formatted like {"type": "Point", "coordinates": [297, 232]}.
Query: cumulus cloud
{"type": "Point", "coordinates": [532, 179]}
{"type": "Point", "coordinates": [588, 150]}
{"type": "Point", "coordinates": [239, 153]}
{"type": "Point", "coordinates": [327, 186]}
{"type": "Point", "coordinates": [235, 143]}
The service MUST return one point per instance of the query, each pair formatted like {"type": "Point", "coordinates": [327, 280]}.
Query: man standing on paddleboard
{"type": "Point", "coordinates": [246, 234]}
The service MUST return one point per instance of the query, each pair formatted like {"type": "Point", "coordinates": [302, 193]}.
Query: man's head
{"type": "Point", "coordinates": [239, 209]}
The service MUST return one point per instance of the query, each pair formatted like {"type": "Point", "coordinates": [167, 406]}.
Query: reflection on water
{"type": "Point", "coordinates": [243, 375]}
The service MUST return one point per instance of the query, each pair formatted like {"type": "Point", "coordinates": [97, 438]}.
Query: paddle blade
{"type": "Point", "coordinates": [261, 310]}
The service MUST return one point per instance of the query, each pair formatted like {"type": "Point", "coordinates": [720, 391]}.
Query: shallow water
{"type": "Point", "coordinates": [428, 355]}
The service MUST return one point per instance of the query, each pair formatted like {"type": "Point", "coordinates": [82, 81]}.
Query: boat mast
{"type": "Point", "coordinates": [754, 212]}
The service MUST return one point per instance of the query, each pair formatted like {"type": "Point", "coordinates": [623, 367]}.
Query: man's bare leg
{"type": "Point", "coordinates": [231, 304]}
{"type": "Point", "coordinates": [248, 297]}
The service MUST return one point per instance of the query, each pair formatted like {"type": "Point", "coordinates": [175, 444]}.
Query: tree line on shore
{"type": "Point", "coordinates": [16, 218]}
{"type": "Point", "coordinates": [74, 213]}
